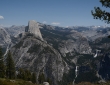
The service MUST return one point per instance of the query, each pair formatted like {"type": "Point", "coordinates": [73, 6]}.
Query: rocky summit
{"type": "Point", "coordinates": [32, 53]}
{"type": "Point", "coordinates": [33, 27]}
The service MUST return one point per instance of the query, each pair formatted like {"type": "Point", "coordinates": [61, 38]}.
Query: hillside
{"type": "Point", "coordinates": [15, 82]}
{"type": "Point", "coordinates": [62, 54]}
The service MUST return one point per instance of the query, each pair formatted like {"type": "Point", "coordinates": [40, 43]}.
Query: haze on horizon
{"type": "Point", "coordinates": [53, 12]}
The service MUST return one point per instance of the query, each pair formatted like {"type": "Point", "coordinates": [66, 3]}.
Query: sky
{"type": "Point", "coordinates": [53, 12]}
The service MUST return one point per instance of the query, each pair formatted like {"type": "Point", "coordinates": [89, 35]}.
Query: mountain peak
{"type": "Point", "coordinates": [33, 28]}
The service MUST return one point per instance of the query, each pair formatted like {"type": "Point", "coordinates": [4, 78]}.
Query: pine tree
{"type": "Point", "coordinates": [27, 75]}
{"type": "Point", "coordinates": [24, 74]}
{"type": "Point", "coordinates": [2, 66]}
{"type": "Point", "coordinates": [49, 81]}
{"type": "Point", "coordinates": [21, 74]}
{"type": "Point", "coordinates": [33, 79]}
{"type": "Point", "coordinates": [10, 67]}
{"type": "Point", "coordinates": [41, 78]}
{"type": "Point", "coordinates": [103, 15]}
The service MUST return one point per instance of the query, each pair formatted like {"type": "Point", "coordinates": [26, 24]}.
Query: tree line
{"type": "Point", "coordinates": [8, 70]}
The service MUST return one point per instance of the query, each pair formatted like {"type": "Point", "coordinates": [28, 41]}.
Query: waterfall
{"type": "Point", "coordinates": [76, 74]}
{"type": "Point", "coordinates": [97, 51]}
{"type": "Point", "coordinates": [95, 55]}
{"type": "Point", "coordinates": [76, 70]}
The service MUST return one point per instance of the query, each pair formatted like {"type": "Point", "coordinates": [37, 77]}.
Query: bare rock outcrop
{"type": "Point", "coordinates": [33, 28]}
{"type": "Point", "coordinates": [45, 83]}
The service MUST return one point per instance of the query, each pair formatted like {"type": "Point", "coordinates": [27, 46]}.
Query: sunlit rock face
{"type": "Point", "coordinates": [38, 56]}
{"type": "Point", "coordinates": [4, 36]}
{"type": "Point", "coordinates": [33, 27]}
{"type": "Point", "coordinates": [75, 43]}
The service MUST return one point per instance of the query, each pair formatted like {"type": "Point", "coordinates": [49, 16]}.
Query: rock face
{"type": "Point", "coordinates": [37, 56]}
{"type": "Point", "coordinates": [33, 27]}
{"type": "Point", "coordinates": [4, 36]}
{"type": "Point", "coordinates": [63, 51]}
{"type": "Point", "coordinates": [75, 43]}
{"type": "Point", "coordinates": [15, 30]}
{"type": "Point", "coordinates": [5, 40]}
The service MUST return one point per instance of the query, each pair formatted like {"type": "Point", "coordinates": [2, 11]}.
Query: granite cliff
{"type": "Point", "coordinates": [33, 28]}
{"type": "Point", "coordinates": [62, 54]}
{"type": "Point", "coordinates": [32, 53]}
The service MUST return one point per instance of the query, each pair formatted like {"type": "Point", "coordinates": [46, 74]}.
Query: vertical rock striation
{"type": "Point", "coordinates": [33, 28]}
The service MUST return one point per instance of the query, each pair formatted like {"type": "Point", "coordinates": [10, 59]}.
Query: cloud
{"type": "Point", "coordinates": [1, 17]}
{"type": "Point", "coordinates": [44, 22]}
{"type": "Point", "coordinates": [55, 23]}
{"type": "Point", "coordinates": [67, 26]}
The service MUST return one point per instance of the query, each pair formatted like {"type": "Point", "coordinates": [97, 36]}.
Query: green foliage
{"type": "Point", "coordinates": [33, 77]}
{"type": "Point", "coordinates": [21, 74]}
{"type": "Point", "coordinates": [102, 14]}
{"type": "Point", "coordinates": [84, 59]}
{"type": "Point", "coordinates": [15, 82]}
{"type": "Point", "coordinates": [86, 77]}
{"type": "Point", "coordinates": [10, 66]}
{"type": "Point", "coordinates": [49, 81]}
{"type": "Point", "coordinates": [2, 66]}
{"type": "Point", "coordinates": [88, 83]}
{"type": "Point", "coordinates": [68, 77]}
{"type": "Point", "coordinates": [41, 78]}
{"type": "Point", "coordinates": [27, 75]}
{"type": "Point", "coordinates": [24, 74]}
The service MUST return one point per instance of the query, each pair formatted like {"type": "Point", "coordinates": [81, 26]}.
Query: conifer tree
{"type": "Point", "coordinates": [41, 78]}
{"type": "Point", "coordinates": [49, 81]}
{"type": "Point", "coordinates": [10, 66]}
{"type": "Point", "coordinates": [2, 66]}
{"type": "Point", "coordinates": [103, 15]}
{"type": "Point", "coordinates": [21, 74]}
{"type": "Point", "coordinates": [33, 79]}
{"type": "Point", "coordinates": [27, 75]}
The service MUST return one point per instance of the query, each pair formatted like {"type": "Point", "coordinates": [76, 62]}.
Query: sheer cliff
{"type": "Point", "coordinates": [34, 54]}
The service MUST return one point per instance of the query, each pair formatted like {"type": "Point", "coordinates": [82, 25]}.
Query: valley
{"type": "Point", "coordinates": [65, 55]}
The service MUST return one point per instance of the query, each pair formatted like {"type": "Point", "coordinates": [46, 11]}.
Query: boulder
{"type": "Point", "coordinates": [45, 83]}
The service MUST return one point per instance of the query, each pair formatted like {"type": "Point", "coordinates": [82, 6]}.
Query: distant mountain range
{"type": "Point", "coordinates": [71, 54]}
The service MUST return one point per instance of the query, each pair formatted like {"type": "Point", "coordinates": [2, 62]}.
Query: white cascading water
{"type": "Point", "coordinates": [76, 74]}
{"type": "Point", "coordinates": [97, 51]}
{"type": "Point", "coordinates": [95, 54]}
